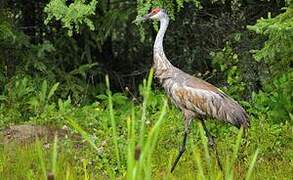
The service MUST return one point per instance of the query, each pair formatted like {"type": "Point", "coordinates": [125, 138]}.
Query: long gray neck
{"type": "Point", "coordinates": [161, 63]}
{"type": "Point", "coordinates": [164, 21]}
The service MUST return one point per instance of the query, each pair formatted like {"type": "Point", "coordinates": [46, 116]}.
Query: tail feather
{"type": "Point", "coordinates": [234, 114]}
{"type": "Point", "coordinates": [228, 110]}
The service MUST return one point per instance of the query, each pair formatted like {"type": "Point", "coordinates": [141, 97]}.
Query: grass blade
{"type": "Point", "coordinates": [199, 165]}
{"type": "Point", "coordinates": [204, 141]}
{"type": "Point", "coordinates": [83, 133]}
{"type": "Point", "coordinates": [41, 158]}
{"type": "Point", "coordinates": [229, 170]}
{"type": "Point", "coordinates": [113, 123]}
{"type": "Point", "coordinates": [252, 163]}
{"type": "Point", "coordinates": [152, 140]}
{"type": "Point", "coordinates": [54, 156]}
{"type": "Point", "coordinates": [52, 90]}
{"type": "Point", "coordinates": [146, 95]}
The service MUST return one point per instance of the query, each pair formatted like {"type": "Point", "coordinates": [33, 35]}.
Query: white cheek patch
{"type": "Point", "coordinates": [156, 16]}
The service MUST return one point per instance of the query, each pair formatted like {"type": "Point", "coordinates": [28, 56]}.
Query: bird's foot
{"type": "Point", "coordinates": [211, 141]}
{"type": "Point", "coordinates": [181, 150]}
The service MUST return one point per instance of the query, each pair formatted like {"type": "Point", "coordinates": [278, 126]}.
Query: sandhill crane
{"type": "Point", "coordinates": [195, 97]}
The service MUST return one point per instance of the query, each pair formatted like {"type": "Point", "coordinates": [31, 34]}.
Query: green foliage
{"type": "Point", "coordinates": [75, 83]}
{"type": "Point", "coordinates": [138, 163]}
{"type": "Point", "coordinates": [37, 58]}
{"type": "Point", "coordinates": [6, 33]}
{"type": "Point", "coordinates": [39, 102]}
{"type": "Point", "coordinates": [15, 97]}
{"type": "Point", "coordinates": [72, 16]}
{"type": "Point", "coordinates": [275, 101]}
{"type": "Point", "coordinates": [170, 7]}
{"type": "Point", "coordinates": [139, 159]}
{"type": "Point", "coordinates": [278, 49]}
{"type": "Point", "coordinates": [265, 147]}
{"type": "Point", "coordinates": [154, 156]}
{"type": "Point", "coordinates": [228, 63]}
{"type": "Point", "coordinates": [9, 36]}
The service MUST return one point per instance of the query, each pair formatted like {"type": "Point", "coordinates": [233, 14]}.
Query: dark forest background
{"type": "Point", "coordinates": [78, 55]}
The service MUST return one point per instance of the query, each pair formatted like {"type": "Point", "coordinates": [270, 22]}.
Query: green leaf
{"type": "Point", "coordinates": [52, 90]}
{"type": "Point", "coordinates": [43, 92]}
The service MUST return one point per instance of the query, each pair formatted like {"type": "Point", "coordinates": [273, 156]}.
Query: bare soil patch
{"type": "Point", "coordinates": [27, 133]}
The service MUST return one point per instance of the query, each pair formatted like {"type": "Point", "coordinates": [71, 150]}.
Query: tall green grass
{"type": "Point", "coordinates": [141, 144]}
{"type": "Point", "coordinates": [206, 163]}
{"type": "Point", "coordinates": [138, 148]}
{"type": "Point", "coordinates": [113, 123]}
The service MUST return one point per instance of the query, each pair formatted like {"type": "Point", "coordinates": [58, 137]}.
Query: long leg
{"type": "Point", "coordinates": [182, 148]}
{"type": "Point", "coordinates": [212, 143]}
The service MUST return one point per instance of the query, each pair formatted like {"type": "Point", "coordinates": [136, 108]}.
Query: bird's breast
{"type": "Point", "coordinates": [171, 87]}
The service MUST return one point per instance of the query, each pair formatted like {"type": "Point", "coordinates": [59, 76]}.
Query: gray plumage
{"type": "Point", "coordinates": [195, 97]}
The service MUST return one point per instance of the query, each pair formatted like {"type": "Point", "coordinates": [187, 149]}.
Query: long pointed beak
{"type": "Point", "coordinates": [142, 19]}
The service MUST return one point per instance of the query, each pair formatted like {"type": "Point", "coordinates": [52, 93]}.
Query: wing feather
{"type": "Point", "coordinates": [212, 103]}
{"type": "Point", "coordinates": [193, 94]}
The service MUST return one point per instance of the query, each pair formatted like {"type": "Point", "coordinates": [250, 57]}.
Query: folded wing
{"type": "Point", "coordinates": [205, 99]}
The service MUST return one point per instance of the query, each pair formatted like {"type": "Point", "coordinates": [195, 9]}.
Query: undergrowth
{"type": "Point", "coordinates": [126, 139]}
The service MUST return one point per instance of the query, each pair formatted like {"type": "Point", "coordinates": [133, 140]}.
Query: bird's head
{"type": "Point", "coordinates": [156, 13]}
